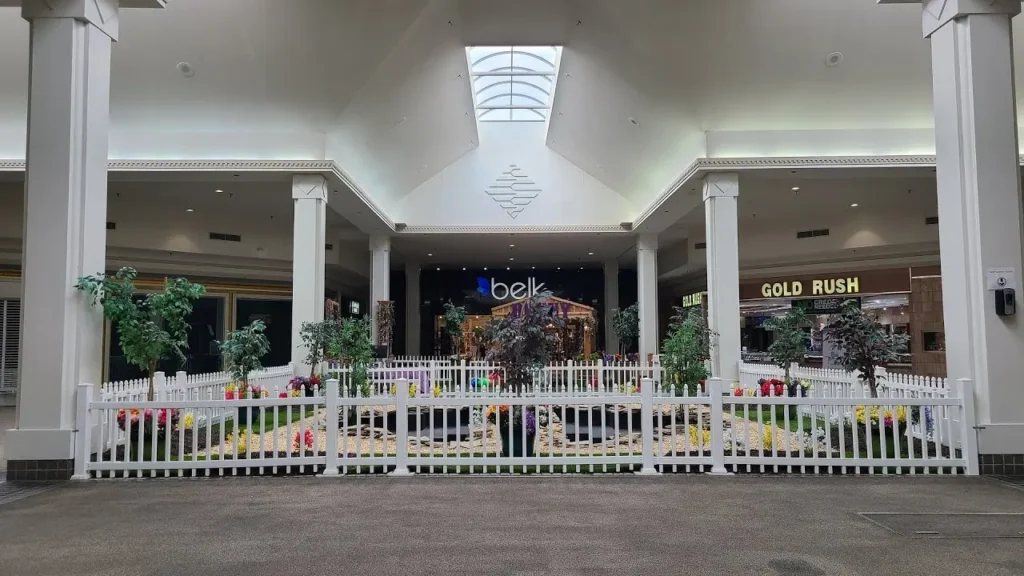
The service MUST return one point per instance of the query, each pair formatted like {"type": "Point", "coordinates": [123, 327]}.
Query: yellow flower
{"type": "Point", "coordinates": [231, 387]}
{"type": "Point", "coordinates": [296, 393]}
{"type": "Point", "coordinates": [243, 443]}
{"type": "Point", "coordinates": [768, 440]}
{"type": "Point", "coordinates": [412, 390]}
{"type": "Point", "coordinates": [188, 421]}
{"type": "Point", "coordinates": [699, 438]}
{"type": "Point", "coordinates": [437, 390]}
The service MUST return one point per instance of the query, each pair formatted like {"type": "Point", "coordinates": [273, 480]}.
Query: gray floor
{"type": "Point", "coordinates": [794, 526]}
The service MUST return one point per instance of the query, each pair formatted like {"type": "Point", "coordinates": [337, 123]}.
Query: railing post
{"type": "Point", "coordinates": [402, 427]}
{"type": "Point", "coordinates": [331, 413]}
{"type": "Point", "coordinates": [291, 368]}
{"type": "Point", "coordinates": [717, 428]}
{"type": "Point", "coordinates": [462, 378]}
{"type": "Point", "coordinates": [647, 427]}
{"type": "Point", "coordinates": [600, 376]}
{"type": "Point", "coordinates": [83, 427]}
{"type": "Point", "coordinates": [964, 389]}
{"type": "Point", "coordinates": [180, 381]}
{"type": "Point", "coordinates": [160, 383]}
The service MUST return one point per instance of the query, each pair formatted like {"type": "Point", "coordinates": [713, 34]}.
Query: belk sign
{"type": "Point", "coordinates": [818, 287]}
{"type": "Point", "coordinates": [516, 291]}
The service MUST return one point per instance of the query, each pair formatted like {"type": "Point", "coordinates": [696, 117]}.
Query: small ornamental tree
{"type": "Point", "coordinates": [863, 343]}
{"type": "Point", "coordinates": [317, 338]}
{"type": "Point", "coordinates": [243, 350]}
{"type": "Point", "coordinates": [151, 328]}
{"type": "Point", "coordinates": [354, 346]}
{"type": "Point", "coordinates": [523, 343]}
{"type": "Point", "coordinates": [626, 325]}
{"type": "Point", "coordinates": [790, 341]}
{"type": "Point", "coordinates": [687, 348]}
{"type": "Point", "coordinates": [454, 326]}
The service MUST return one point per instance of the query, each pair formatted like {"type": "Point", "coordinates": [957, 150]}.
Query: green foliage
{"type": "Point", "coordinates": [626, 325]}
{"type": "Point", "coordinates": [243, 350]}
{"type": "Point", "coordinates": [454, 325]}
{"type": "Point", "coordinates": [352, 344]}
{"type": "Point", "coordinates": [863, 343]}
{"type": "Point", "coordinates": [686, 349]}
{"type": "Point", "coordinates": [151, 328]}
{"type": "Point", "coordinates": [524, 343]}
{"type": "Point", "coordinates": [791, 342]}
{"type": "Point", "coordinates": [317, 338]}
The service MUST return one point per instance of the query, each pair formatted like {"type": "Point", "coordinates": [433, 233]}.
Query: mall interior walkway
{"type": "Point", "coordinates": [617, 525]}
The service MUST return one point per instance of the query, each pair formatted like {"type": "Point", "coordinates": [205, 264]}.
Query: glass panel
{"type": "Point", "coordinates": [277, 315]}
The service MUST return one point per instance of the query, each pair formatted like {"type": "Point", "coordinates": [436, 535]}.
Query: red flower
{"type": "Point", "coordinates": [738, 392]}
{"type": "Point", "coordinates": [229, 395]}
{"type": "Point", "coordinates": [780, 390]}
{"type": "Point", "coordinates": [282, 395]}
{"type": "Point", "coordinates": [766, 388]}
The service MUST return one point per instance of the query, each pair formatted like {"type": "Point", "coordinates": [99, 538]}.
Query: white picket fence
{"type": "Point", "coordinates": [645, 429]}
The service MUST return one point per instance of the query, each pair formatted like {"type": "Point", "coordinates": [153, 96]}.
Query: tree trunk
{"type": "Point", "coordinates": [873, 385]}
{"type": "Point", "coordinates": [152, 384]}
{"type": "Point", "coordinates": [786, 374]}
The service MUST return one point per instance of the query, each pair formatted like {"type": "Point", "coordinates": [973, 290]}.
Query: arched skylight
{"type": "Point", "coordinates": [513, 83]}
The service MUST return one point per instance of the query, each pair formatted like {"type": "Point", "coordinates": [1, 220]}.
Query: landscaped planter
{"type": "Point", "coordinates": [516, 447]}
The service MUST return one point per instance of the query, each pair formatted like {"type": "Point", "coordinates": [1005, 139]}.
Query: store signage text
{"type": "Point", "coordinates": [515, 291]}
{"type": "Point", "coordinates": [818, 287]}
{"type": "Point", "coordinates": [693, 299]}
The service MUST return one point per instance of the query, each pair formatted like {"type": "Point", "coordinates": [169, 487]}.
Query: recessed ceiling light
{"type": "Point", "coordinates": [508, 268]}
{"type": "Point", "coordinates": [186, 69]}
{"type": "Point", "coordinates": [633, 121]}
{"type": "Point", "coordinates": [796, 188]}
{"type": "Point", "coordinates": [590, 253]}
{"type": "Point", "coordinates": [581, 267]}
{"type": "Point", "coordinates": [511, 259]}
{"type": "Point", "coordinates": [219, 191]}
{"type": "Point", "coordinates": [559, 268]}
{"type": "Point", "coordinates": [834, 59]}
{"type": "Point", "coordinates": [511, 245]}
{"type": "Point", "coordinates": [485, 269]}
{"type": "Point", "coordinates": [189, 210]}
{"type": "Point", "coordinates": [463, 268]}
{"type": "Point", "coordinates": [854, 205]}
{"type": "Point", "coordinates": [438, 269]}
{"type": "Point", "coordinates": [533, 267]}
{"type": "Point", "coordinates": [430, 254]}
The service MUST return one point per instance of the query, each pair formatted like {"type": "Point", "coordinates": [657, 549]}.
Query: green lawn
{"type": "Point", "coordinates": [763, 414]}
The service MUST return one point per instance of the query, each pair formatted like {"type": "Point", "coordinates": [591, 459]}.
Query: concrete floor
{"type": "Point", "coordinates": [6, 423]}
{"type": "Point", "coordinates": [793, 526]}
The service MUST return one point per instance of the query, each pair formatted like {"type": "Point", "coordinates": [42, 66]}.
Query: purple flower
{"type": "Point", "coordinates": [531, 421]}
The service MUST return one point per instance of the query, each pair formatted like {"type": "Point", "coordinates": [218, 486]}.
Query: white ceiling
{"type": "Point", "coordinates": [381, 78]}
{"type": "Point", "coordinates": [494, 250]}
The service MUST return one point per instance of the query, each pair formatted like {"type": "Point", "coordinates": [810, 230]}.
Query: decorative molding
{"type": "Point", "coordinates": [702, 166]}
{"type": "Point", "coordinates": [552, 229]}
{"type": "Point", "coordinates": [309, 186]}
{"type": "Point", "coordinates": [513, 191]}
{"type": "Point", "coordinates": [347, 181]}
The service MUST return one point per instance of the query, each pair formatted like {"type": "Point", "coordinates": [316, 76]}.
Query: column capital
{"type": "Point", "coordinates": [380, 243]}
{"type": "Point", "coordinates": [937, 13]}
{"type": "Point", "coordinates": [647, 242]}
{"type": "Point", "coordinates": [100, 13]}
{"type": "Point", "coordinates": [309, 186]}
{"type": "Point", "coordinates": [721, 184]}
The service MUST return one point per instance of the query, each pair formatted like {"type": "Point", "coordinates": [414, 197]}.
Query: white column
{"type": "Point", "coordinates": [380, 276]}
{"type": "Point", "coordinates": [647, 293]}
{"type": "Point", "coordinates": [65, 220]}
{"type": "Point", "coordinates": [309, 194]}
{"type": "Point", "coordinates": [979, 198]}
{"type": "Point", "coordinates": [611, 303]}
{"type": "Point", "coordinates": [412, 309]}
{"type": "Point", "coordinates": [723, 265]}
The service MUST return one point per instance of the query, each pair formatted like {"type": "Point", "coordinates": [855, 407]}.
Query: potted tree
{"type": "Point", "coordinates": [317, 338]}
{"type": "Point", "coordinates": [790, 341]}
{"type": "Point", "coordinates": [151, 328]}
{"type": "Point", "coordinates": [686, 350]}
{"type": "Point", "coordinates": [454, 326]}
{"type": "Point", "coordinates": [521, 344]}
{"type": "Point", "coordinates": [242, 351]}
{"type": "Point", "coordinates": [626, 325]}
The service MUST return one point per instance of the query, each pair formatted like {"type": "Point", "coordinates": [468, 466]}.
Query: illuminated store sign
{"type": "Point", "coordinates": [502, 291]}
{"type": "Point", "coordinates": [693, 299]}
{"type": "Point", "coordinates": [829, 287]}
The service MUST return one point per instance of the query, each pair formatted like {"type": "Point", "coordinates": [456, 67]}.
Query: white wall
{"type": "Point", "coordinates": [457, 196]}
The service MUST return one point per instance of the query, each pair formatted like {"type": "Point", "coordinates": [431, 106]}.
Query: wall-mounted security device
{"type": "Point", "coordinates": [1006, 302]}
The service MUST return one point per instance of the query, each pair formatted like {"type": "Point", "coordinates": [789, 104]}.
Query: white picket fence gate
{"type": "Point", "coordinates": [646, 428]}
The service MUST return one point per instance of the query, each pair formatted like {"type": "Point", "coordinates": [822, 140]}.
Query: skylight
{"type": "Point", "coordinates": [513, 83]}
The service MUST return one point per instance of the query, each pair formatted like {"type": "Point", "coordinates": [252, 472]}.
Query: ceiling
{"type": "Point", "coordinates": [524, 250]}
{"type": "Point", "coordinates": [385, 80]}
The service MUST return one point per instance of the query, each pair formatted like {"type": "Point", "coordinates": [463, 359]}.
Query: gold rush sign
{"type": "Point", "coordinates": [822, 287]}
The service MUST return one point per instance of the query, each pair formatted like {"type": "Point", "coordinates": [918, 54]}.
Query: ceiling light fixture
{"type": "Point", "coordinates": [590, 253]}
{"type": "Point", "coordinates": [485, 269]}
{"type": "Point", "coordinates": [463, 268]}
{"type": "Point", "coordinates": [219, 191]}
{"type": "Point", "coordinates": [186, 69]}
{"type": "Point", "coordinates": [189, 210]}
{"type": "Point", "coordinates": [795, 188]}
{"type": "Point", "coordinates": [633, 121]}
{"type": "Point", "coordinates": [834, 59]}
{"type": "Point", "coordinates": [438, 269]}
{"type": "Point", "coordinates": [508, 268]}
{"type": "Point", "coordinates": [430, 254]}
{"type": "Point", "coordinates": [511, 245]}
{"type": "Point", "coordinates": [511, 259]}
{"type": "Point", "coordinates": [854, 205]}
{"type": "Point", "coordinates": [559, 268]}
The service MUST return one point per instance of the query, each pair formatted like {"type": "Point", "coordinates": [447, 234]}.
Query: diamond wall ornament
{"type": "Point", "coordinates": [513, 191]}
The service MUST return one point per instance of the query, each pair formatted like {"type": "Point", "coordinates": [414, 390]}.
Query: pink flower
{"type": "Point", "coordinates": [229, 395]}
{"type": "Point", "coordinates": [308, 440]}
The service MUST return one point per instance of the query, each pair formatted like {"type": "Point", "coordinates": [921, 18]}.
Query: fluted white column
{"type": "Point", "coordinates": [647, 293]}
{"type": "Point", "coordinates": [412, 309]}
{"type": "Point", "coordinates": [611, 303]}
{"type": "Point", "coordinates": [979, 198]}
{"type": "Point", "coordinates": [720, 197]}
{"type": "Point", "coordinates": [380, 276]}
{"type": "Point", "coordinates": [309, 194]}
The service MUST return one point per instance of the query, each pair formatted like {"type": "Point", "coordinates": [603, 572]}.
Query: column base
{"type": "Point", "coordinates": [647, 472]}
{"type": "Point", "coordinates": [400, 472]}
{"type": "Point", "coordinates": [40, 470]}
